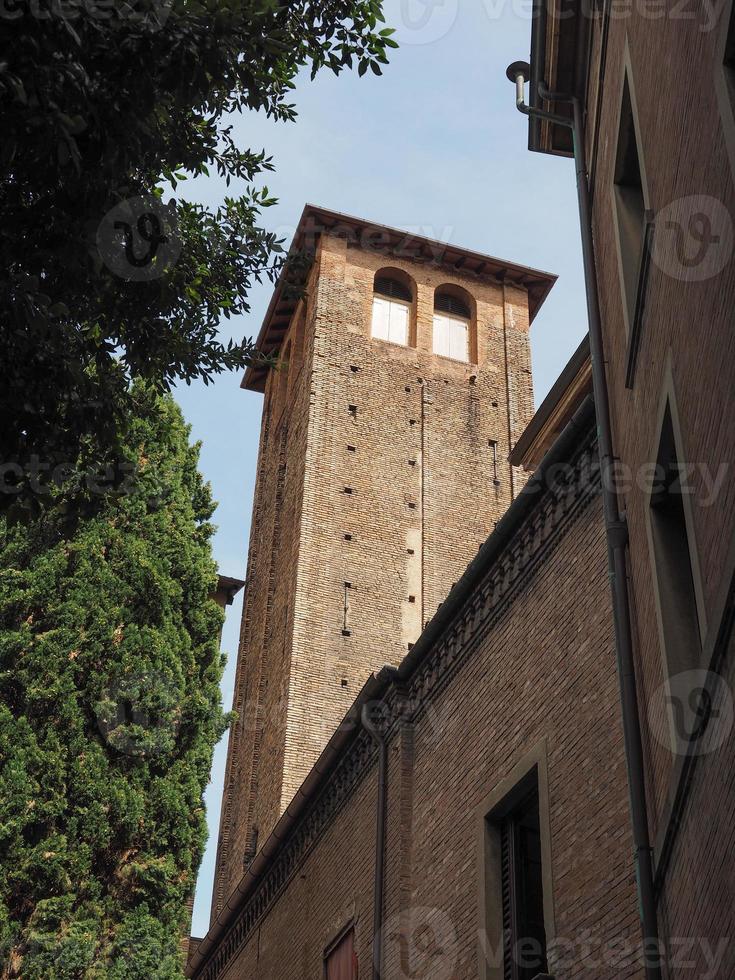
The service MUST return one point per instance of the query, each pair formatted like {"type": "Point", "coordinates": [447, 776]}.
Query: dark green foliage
{"type": "Point", "coordinates": [102, 100]}
{"type": "Point", "coordinates": [109, 712]}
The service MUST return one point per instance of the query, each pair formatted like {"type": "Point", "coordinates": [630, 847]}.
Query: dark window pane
{"type": "Point", "coordinates": [393, 289]}
{"type": "Point", "coordinates": [524, 936]}
{"type": "Point", "coordinates": [446, 303]}
{"type": "Point", "coordinates": [629, 201]}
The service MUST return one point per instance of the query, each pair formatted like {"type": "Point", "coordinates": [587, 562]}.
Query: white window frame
{"type": "Point", "coordinates": [398, 327]}
{"type": "Point", "coordinates": [448, 340]}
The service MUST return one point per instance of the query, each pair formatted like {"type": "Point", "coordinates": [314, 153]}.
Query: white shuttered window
{"type": "Point", "coordinates": [390, 320]}
{"type": "Point", "coordinates": [451, 337]}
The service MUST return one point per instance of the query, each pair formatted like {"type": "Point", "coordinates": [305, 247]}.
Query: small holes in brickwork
{"type": "Point", "coordinates": [412, 462]}
{"type": "Point", "coordinates": [348, 490]}
{"type": "Point", "coordinates": [346, 632]}
{"type": "Point", "coordinates": [351, 449]}
{"type": "Point", "coordinates": [352, 410]}
{"type": "Point", "coordinates": [348, 537]}
{"type": "Point", "coordinates": [412, 421]}
{"type": "Point", "coordinates": [411, 551]}
{"type": "Point", "coordinates": [412, 598]}
{"type": "Point", "coordinates": [412, 506]}
{"type": "Point", "coordinates": [408, 390]}
{"type": "Point", "coordinates": [344, 682]}
{"type": "Point", "coordinates": [495, 404]}
{"type": "Point", "coordinates": [354, 368]}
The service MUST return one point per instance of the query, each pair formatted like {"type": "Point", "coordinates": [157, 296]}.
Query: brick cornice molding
{"type": "Point", "coordinates": [352, 768]}
{"type": "Point", "coordinates": [567, 489]}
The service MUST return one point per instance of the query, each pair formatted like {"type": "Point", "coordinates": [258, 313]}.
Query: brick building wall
{"type": "Point", "coordinates": [382, 470]}
{"type": "Point", "coordinates": [525, 665]}
{"type": "Point", "coordinates": [675, 68]}
{"type": "Point", "coordinates": [668, 338]}
{"type": "Point", "coordinates": [260, 693]}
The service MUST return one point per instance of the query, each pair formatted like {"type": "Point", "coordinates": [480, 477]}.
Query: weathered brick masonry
{"type": "Point", "coordinates": [376, 486]}
{"type": "Point", "coordinates": [382, 470]}
{"type": "Point", "coordinates": [679, 69]}
{"type": "Point", "coordinates": [524, 666]}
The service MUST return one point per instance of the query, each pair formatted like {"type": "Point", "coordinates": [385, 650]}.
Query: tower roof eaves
{"type": "Point", "coordinates": [316, 221]}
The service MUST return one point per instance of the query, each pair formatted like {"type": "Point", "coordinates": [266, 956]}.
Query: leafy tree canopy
{"type": "Point", "coordinates": [109, 712]}
{"type": "Point", "coordinates": [103, 100]}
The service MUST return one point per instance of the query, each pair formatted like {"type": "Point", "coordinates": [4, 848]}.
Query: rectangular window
{"type": "Point", "coordinates": [729, 56]}
{"type": "Point", "coordinates": [451, 337]}
{"type": "Point", "coordinates": [524, 936]}
{"type": "Point", "coordinates": [672, 558]}
{"type": "Point", "coordinates": [390, 320]}
{"type": "Point", "coordinates": [516, 886]}
{"type": "Point", "coordinates": [725, 77]}
{"type": "Point", "coordinates": [629, 204]}
{"type": "Point", "coordinates": [340, 962]}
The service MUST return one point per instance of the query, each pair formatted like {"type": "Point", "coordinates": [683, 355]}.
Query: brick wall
{"type": "Point", "coordinates": [528, 661]}
{"type": "Point", "coordinates": [376, 469]}
{"type": "Point", "coordinates": [686, 344]}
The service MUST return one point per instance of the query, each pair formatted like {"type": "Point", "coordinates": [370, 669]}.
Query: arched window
{"type": "Point", "coordinates": [452, 318]}
{"type": "Point", "coordinates": [392, 301]}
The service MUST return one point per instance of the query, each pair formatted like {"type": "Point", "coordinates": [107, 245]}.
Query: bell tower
{"type": "Point", "coordinates": [404, 381]}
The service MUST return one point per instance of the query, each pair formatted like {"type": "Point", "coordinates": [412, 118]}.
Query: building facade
{"type": "Point", "coordinates": [506, 843]}
{"type": "Point", "coordinates": [657, 95]}
{"type": "Point", "coordinates": [403, 380]}
{"type": "Point", "coordinates": [464, 810]}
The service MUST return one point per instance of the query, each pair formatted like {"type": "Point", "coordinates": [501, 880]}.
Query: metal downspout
{"type": "Point", "coordinates": [616, 530]}
{"type": "Point", "coordinates": [380, 823]}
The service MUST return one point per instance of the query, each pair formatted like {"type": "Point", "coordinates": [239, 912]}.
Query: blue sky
{"type": "Point", "coordinates": [435, 145]}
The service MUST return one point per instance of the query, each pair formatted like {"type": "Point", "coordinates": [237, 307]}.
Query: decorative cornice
{"type": "Point", "coordinates": [567, 489]}
{"type": "Point", "coordinates": [352, 768]}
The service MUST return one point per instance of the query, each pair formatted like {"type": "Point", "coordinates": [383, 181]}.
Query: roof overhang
{"type": "Point", "coordinates": [227, 589]}
{"type": "Point", "coordinates": [564, 399]}
{"type": "Point", "coordinates": [316, 221]}
{"type": "Point", "coordinates": [560, 43]}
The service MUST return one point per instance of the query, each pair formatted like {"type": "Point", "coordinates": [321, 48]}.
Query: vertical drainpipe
{"type": "Point", "coordinates": [380, 825]}
{"type": "Point", "coordinates": [615, 526]}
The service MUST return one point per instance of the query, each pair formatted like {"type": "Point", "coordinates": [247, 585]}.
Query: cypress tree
{"type": "Point", "coordinates": [109, 713]}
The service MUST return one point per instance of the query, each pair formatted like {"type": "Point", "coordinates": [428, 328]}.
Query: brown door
{"type": "Point", "coordinates": [341, 961]}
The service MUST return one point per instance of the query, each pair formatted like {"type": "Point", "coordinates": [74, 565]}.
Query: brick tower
{"type": "Point", "coordinates": [405, 382]}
